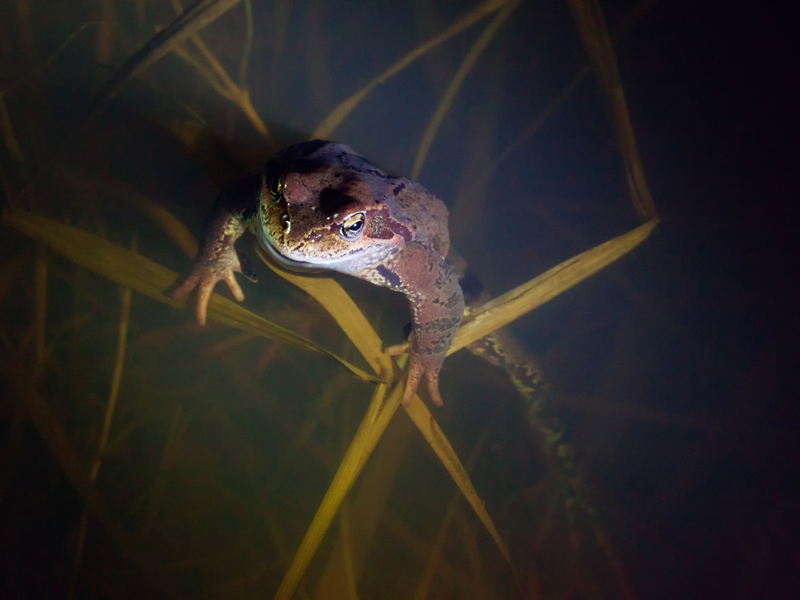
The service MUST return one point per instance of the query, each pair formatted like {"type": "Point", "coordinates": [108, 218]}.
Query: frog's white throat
{"type": "Point", "coordinates": [343, 264]}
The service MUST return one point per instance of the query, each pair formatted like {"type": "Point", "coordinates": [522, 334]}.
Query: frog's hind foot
{"type": "Point", "coordinates": [419, 365]}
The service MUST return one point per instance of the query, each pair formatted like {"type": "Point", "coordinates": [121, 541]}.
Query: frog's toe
{"type": "Point", "coordinates": [205, 279]}
{"type": "Point", "coordinates": [187, 286]}
{"type": "Point", "coordinates": [234, 286]}
{"type": "Point", "coordinates": [204, 291]}
{"type": "Point", "coordinates": [418, 366]}
{"type": "Point", "coordinates": [206, 288]}
{"type": "Point", "coordinates": [412, 383]}
{"type": "Point", "coordinates": [432, 378]}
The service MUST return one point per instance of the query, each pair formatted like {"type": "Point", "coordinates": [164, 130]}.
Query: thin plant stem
{"type": "Point", "coordinates": [325, 129]}
{"type": "Point", "coordinates": [455, 84]}
{"type": "Point", "coordinates": [236, 94]}
{"type": "Point", "coordinates": [111, 404]}
{"type": "Point", "coordinates": [9, 137]}
{"type": "Point", "coordinates": [597, 40]}
{"type": "Point", "coordinates": [247, 46]}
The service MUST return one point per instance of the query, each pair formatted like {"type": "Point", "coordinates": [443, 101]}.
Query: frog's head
{"type": "Point", "coordinates": [327, 207]}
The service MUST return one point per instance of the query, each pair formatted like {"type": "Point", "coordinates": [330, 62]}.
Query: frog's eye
{"type": "Point", "coordinates": [276, 188]}
{"type": "Point", "coordinates": [353, 225]}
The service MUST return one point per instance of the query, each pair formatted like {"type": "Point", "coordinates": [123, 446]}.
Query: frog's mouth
{"type": "Point", "coordinates": [342, 263]}
{"type": "Point", "coordinates": [297, 266]}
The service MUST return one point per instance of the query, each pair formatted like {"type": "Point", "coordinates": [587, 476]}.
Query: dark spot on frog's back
{"type": "Point", "coordinates": [332, 201]}
{"type": "Point", "coordinates": [398, 188]}
{"type": "Point", "coordinates": [391, 278]}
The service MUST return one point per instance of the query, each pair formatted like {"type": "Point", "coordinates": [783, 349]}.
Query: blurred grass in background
{"type": "Point", "coordinates": [200, 455]}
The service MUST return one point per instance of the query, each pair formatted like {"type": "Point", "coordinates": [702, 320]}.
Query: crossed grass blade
{"type": "Point", "coordinates": [524, 298]}
{"type": "Point", "coordinates": [196, 17]}
{"type": "Point", "coordinates": [358, 329]}
{"type": "Point", "coordinates": [148, 278]}
{"type": "Point", "coordinates": [342, 308]}
{"type": "Point", "coordinates": [494, 315]}
{"type": "Point", "coordinates": [325, 129]}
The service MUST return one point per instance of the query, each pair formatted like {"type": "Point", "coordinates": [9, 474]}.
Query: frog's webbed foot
{"type": "Point", "coordinates": [419, 365]}
{"type": "Point", "coordinates": [205, 276]}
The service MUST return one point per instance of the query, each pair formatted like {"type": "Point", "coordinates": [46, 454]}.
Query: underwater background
{"type": "Point", "coordinates": [654, 453]}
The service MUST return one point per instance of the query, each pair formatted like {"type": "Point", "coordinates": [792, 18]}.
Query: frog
{"type": "Point", "coordinates": [319, 206]}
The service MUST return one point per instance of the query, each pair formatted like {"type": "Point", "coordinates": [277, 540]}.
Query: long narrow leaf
{"type": "Point", "coordinates": [367, 436]}
{"type": "Point", "coordinates": [523, 299]}
{"type": "Point", "coordinates": [430, 429]}
{"type": "Point", "coordinates": [345, 312]}
{"type": "Point", "coordinates": [148, 278]}
{"type": "Point", "coordinates": [598, 43]}
{"type": "Point", "coordinates": [455, 84]}
{"type": "Point", "coordinates": [192, 20]}
{"type": "Point", "coordinates": [339, 114]}
{"type": "Point", "coordinates": [355, 325]}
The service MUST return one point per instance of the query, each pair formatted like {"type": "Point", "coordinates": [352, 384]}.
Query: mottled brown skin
{"type": "Point", "coordinates": [321, 206]}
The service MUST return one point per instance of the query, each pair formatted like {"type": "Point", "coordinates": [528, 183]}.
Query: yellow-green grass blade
{"type": "Point", "coordinates": [524, 298]}
{"type": "Point", "coordinates": [367, 436]}
{"type": "Point", "coordinates": [430, 429]}
{"type": "Point", "coordinates": [345, 312]}
{"type": "Point", "coordinates": [342, 308]}
{"type": "Point", "coordinates": [148, 278]}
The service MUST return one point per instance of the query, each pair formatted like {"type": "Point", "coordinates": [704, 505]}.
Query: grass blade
{"type": "Point", "coordinates": [193, 19]}
{"type": "Point", "coordinates": [427, 425]}
{"type": "Point", "coordinates": [149, 278]}
{"type": "Point", "coordinates": [455, 84]}
{"type": "Point", "coordinates": [597, 41]}
{"type": "Point", "coordinates": [524, 298]}
{"type": "Point", "coordinates": [345, 312]}
{"type": "Point", "coordinates": [340, 113]}
{"type": "Point", "coordinates": [367, 436]}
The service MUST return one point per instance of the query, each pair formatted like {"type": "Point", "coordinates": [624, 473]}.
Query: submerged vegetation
{"type": "Point", "coordinates": [269, 461]}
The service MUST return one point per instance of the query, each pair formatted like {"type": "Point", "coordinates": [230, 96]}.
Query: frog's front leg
{"type": "Point", "coordinates": [437, 306]}
{"type": "Point", "coordinates": [217, 259]}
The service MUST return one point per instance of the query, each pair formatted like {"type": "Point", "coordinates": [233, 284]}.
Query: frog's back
{"type": "Point", "coordinates": [429, 214]}
{"type": "Point", "coordinates": [422, 212]}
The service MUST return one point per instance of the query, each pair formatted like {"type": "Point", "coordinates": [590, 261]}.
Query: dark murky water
{"type": "Point", "coordinates": [671, 372]}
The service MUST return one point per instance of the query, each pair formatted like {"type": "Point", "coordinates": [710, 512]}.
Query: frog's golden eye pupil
{"type": "Point", "coordinates": [276, 189]}
{"type": "Point", "coordinates": [352, 226]}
